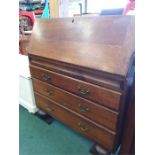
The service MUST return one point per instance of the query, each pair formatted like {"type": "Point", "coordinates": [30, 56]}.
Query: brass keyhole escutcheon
{"type": "Point", "coordinates": [84, 108]}
{"type": "Point", "coordinates": [82, 127]}
{"type": "Point", "coordinates": [49, 109]}
{"type": "Point", "coordinates": [46, 77]}
{"type": "Point", "coordinates": [49, 92]}
{"type": "Point", "coordinates": [83, 91]}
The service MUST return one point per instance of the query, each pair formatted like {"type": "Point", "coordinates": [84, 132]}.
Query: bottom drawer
{"type": "Point", "coordinates": [77, 122]}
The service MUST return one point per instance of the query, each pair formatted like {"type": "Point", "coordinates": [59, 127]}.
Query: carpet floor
{"type": "Point", "coordinates": [39, 138]}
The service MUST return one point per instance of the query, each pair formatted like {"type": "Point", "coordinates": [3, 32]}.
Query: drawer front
{"type": "Point", "coordinates": [76, 122]}
{"type": "Point", "coordinates": [95, 93]}
{"type": "Point", "coordinates": [98, 113]}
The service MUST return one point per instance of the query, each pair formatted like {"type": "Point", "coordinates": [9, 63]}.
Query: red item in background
{"type": "Point", "coordinates": [29, 14]}
{"type": "Point", "coordinates": [38, 12]}
{"type": "Point", "coordinates": [130, 6]}
{"type": "Point", "coordinates": [29, 18]}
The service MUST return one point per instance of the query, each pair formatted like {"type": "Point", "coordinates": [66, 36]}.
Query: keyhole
{"type": "Point", "coordinates": [72, 20]}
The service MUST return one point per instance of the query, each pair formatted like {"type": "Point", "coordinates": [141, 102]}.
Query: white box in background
{"type": "Point", "coordinates": [26, 93]}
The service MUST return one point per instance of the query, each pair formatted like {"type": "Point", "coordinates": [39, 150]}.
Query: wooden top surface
{"type": "Point", "coordinates": [103, 43]}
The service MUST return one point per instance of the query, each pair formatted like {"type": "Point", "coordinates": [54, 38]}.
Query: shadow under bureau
{"type": "Point", "coordinates": [81, 70]}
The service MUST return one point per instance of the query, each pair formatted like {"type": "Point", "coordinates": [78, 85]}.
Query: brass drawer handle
{"type": "Point", "coordinates": [83, 91]}
{"type": "Point", "coordinates": [49, 92]}
{"type": "Point", "coordinates": [46, 77]}
{"type": "Point", "coordinates": [82, 127]}
{"type": "Point", "coordinates": [84, 108]}
{"type": "Point", "coordinates": [49, 109]}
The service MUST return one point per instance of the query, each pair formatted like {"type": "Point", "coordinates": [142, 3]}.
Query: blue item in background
{"type": "Point", "coordinates": [30, 5]}
{"type": "Point", "coordinates": [117, 11]}
{"type": "Point", "coordinates": [46, 11]}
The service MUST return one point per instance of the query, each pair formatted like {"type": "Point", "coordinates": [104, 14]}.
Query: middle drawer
{"type": "Point", "coordinates": [100, 114]}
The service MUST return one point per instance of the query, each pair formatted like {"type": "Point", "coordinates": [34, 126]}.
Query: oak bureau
{"type": "Point", "coordinates": [81, 69]}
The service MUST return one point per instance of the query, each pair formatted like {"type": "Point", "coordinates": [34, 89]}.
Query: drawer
{"type": "Point", "coordinates": [86, 90]}
{"type": "Point", "coordinates": [77, 122]}
{"type": "Point", "coordinates": [95, 112]}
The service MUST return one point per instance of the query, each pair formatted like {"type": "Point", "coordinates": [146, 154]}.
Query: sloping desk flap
{"type": "Point", "coordinates": [104, 43]}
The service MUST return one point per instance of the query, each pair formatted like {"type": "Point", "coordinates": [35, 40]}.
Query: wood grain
{"type": "Point", "coordinates": [73, 119]}
{"type": "Point", "coordinates": [100, 114]}
{"type": "Point", "coordinates": [109, 40]}
{"type": "Point", "coordinates": [97, 94]}
{"type": "Point", "coordinates": [81, 67]}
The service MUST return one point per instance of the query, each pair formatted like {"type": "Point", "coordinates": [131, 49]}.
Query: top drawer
{"type": "Point", "coordinates": [103, 96]}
